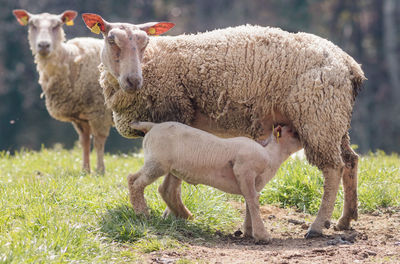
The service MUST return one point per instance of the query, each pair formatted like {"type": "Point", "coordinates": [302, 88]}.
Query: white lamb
{"type": "Point", "coordinates": [234, 165]}
{"type": "Point", "coordinates": [69, 78]}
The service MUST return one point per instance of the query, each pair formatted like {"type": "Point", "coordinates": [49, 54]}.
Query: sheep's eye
{"type": "Point", "coordinates": [56, 27]}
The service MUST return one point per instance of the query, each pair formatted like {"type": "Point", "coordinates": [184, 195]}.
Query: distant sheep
{"type": "Point", "coordinates": [234, 165]}
{"type": "Point", "coordinates": [239, 81]}
{"type": "Point", "coordinates": [69, 78]}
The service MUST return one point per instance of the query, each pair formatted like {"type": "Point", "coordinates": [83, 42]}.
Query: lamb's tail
{"type": "Point", "coordinates": [142, 126]}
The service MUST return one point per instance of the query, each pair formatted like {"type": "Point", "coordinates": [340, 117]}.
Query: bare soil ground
{"type": "Point", "coordinates": [375, 238]}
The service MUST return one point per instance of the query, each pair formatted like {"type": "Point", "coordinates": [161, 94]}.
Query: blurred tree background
{"type": "Point", "coordinates": [366, 29]}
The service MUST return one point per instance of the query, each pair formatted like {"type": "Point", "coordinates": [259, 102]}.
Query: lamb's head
{"type": "Point", "coordinates": [287, 138]}
{"type": "Point", "coordinates": [124, 46]}
{"type": "Point", "coordinates": [45, 31]}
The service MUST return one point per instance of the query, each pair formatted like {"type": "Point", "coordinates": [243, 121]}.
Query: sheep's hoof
{"type": "Point", "coordinates": [263, 242]}
{"type": "Point", "coordinates": [142, 211]}
{"type": "Point", "coordinates": [342, 225]}
{"type": "Point", "coordinates": [312, 234]}
{"type": "Point", "coordinates": [166, 213]}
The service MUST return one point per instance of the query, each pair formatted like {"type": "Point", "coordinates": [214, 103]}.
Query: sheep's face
{"type": "Point", "coordinates": [45, 31]}
{"type": "Point", "coordinates": [287, 138]}
{"type": "Point", "coordinates": [122, 55]}
{"type": "Point", "coordinates": [124, 46]}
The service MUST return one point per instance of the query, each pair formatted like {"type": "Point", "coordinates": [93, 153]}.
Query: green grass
{"type": "Point", "coordinates": [298, 184]}
{"type": "Point", "coordinates": [51, 212]}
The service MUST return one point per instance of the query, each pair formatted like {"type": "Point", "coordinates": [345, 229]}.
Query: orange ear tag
{"type": "Point", "coordinates": [277, 137]}
{"type": "Point", "coordinates": [152, 31]}
{"type": "Point", "coordinates": [24, 20]}
{"type": "Point", "coordinates": [69, 22]}
{"type": "Point", "coordinates": [96, 29]}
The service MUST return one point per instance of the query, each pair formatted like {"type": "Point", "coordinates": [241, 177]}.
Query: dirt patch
{"type": "Point", "coordinates": [375, 238]}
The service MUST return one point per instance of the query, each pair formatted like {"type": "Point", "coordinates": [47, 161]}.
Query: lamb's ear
{"type": "Point", "coordinates": [277, 132]}
{"type": "Point", "coordinates": [22, 16]}
{"type": "Point", "coordinates": [68, 17]}
{"type": "Point", "coordinates": [95, 23]}
{"type": "Point", "coordinates": [156, 28]}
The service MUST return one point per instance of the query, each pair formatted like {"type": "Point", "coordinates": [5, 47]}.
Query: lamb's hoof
{"type": "Point", "coordinates": [263, 239]}
{"type": "Point", "coordinates": [312, 234]}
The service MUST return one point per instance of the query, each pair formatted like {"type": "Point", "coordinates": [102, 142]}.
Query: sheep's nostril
{"type": "Point", "coordinates": [44, 45]}
{"type": "Point", "coordinates": [133, 82]}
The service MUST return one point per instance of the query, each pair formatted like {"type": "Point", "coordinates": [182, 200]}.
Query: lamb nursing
{"type": "Point", "coordinates": [234, 165]}
{"type": "Point", "coordinates": [239, 82]}
{"type": "Point", "coordinates": [69, 78]}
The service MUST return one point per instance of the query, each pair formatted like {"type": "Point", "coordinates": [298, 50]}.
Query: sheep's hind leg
{"type": "Point", "coordinates": [331, 185]}
{"type": "Point", "coordinates": [83, 130]}
{"type": "Point", "coordinates": [248, 229]}
{"type": "Point", "coordinates": [137, 183]}
{"type": "Point", "coordinates": [170, 191]}
{"type": "Point", "coordinates": [349, 179]}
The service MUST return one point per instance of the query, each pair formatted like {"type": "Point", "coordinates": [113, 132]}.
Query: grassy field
{"type": "Point", "coordinates": [51, 212]}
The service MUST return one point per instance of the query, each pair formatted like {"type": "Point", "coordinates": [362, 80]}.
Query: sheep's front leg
{"type": "Point", "coordinates": [170, 191]}
{"type": "Point", "coordinates": [331, 185]}
{"type": "Point", "coordinates": [100, 129]}
{"type": "Point", "coordinates": [349, 179]}
{"type": "Point", "coordinates": [246, 181]}
{"type": "Point", "coordinates": [83, 130]}
{"type": "Point", "coordinates": [99, 144]}
{"type": "Point", "coordinates": [137, 183]}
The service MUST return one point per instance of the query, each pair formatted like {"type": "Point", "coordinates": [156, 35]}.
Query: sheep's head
{"type": "Point", "coordinates": [287, 138]}
{"type": "Point", "coordinates": [124, 46]}
{"type": "Point", "coordinates": [45, 31]}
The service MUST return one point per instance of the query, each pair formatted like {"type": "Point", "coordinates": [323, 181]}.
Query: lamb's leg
{"type": "Point", "coordinates": [349, 185]}
{"type": "Point", "coordinates": [331, 185]}
{"type": "Point", "coordinates": [248, 229]}
{"type": "Point", "coordinates": [83, 130]}
{"type": "Point", "coordinates": [170, 191]}
{"type": "Point", "coordinates": [137, 183]}
{"type": "Point", "coordinates": [246, 180]}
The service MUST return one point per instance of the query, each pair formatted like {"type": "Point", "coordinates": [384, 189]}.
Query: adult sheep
{"type": "Point", "coordinates": [69, 78]}
{"type": "Point", "coordinates": [239, 82]}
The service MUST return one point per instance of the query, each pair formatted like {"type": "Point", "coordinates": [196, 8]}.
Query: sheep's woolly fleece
{"type": "Point", "coordinates": [69, 80]}
{"type": "Point", "coordinates": [241, 78]}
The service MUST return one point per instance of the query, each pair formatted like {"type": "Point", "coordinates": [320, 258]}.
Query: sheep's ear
{"type": "Point", "coordinates": [156, 28]}
{"type": "Point", "coordinates": [22, 16]}
{"type": "Point", "coordinates": [277, 132]}
{"type": "Point", "coordinates": [68, 17]}
{"type": "Point", "coordinates": [95, 23]}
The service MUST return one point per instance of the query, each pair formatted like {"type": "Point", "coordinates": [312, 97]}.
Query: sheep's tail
{"type": "Point", "coordinates": [357, 76]}
{"type": "Point", "coordinates": [142, 126]}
